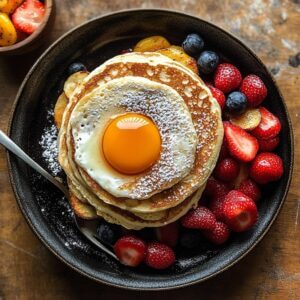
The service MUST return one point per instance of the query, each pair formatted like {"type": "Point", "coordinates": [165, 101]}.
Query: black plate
{"type": "Point", "coordinates": [48, 213]}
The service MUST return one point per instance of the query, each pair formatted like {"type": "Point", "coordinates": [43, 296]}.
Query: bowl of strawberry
{"type": "Point", "coordinates": [24, 24]}
{"type": "Point", "coordinates": [243, 195]}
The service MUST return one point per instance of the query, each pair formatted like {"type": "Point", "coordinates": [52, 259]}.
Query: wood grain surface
{"type": "Point", "coordinates": [271, 271]}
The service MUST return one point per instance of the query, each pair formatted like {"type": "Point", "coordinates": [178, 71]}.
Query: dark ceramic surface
{"type": "Point", "coordinates": [47, 212]}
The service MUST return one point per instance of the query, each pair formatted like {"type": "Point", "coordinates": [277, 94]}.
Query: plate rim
{"type": "Point", "coordinates": [45, 241]}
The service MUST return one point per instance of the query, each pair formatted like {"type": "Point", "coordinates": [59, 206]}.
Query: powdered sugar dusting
{"type": "Point", "coordinates": [48, 142]}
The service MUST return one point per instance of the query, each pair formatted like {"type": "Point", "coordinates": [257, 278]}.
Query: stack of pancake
{"type": "Point", "coordinates": [182, 110]}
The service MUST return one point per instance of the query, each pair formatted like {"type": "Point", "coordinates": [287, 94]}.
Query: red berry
{"type": "Point", "coordinates": [224, 153]}
{"type": "Point", "coordinates": [250, 189]}
{"type": "Point", "coordinates": [210, 187]}
{"type": "Point", "coordinates": [243, 175]}
{"type": "Point", "coordinates": [130, 250]}
{"type": "Point", "coordinates": [254, 89]}
{"type": "Point", "coordinates": [240, 212]}
{"type": "Point", "coordinates": [227, 169]}
{"type": "Point", "coordinates": [159, 256]}
{"type": "Point", "coordinates": [219, 235]}
{"type": "Point", "coordinates": [241, 144]}
{"type": "Point", "coordinates": [29, 16]}
{"type": "Point", "coordinates": [199, 218]}
{"type": "Point", "coordinates": [268, 127]}
{"type": "Point", "coordinates": [216, 206]}
{"type": "Point", "coordinates": [266, 167]}
{"type": "Point", "coordinates": [168, 234]}
{"type": "Point", "coordinates": [218, 95]}
{"type": "Point", "coordinates": [227, 77]}
{"type": "Point", "coordinates": [215, 188]}
{"type": "Point", "coordinates": [268, 145]}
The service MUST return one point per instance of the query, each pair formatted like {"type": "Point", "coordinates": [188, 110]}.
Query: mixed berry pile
{"type": "Point", "coordinates": [246, 163]}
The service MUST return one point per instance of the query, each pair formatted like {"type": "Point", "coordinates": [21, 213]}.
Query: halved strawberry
{"type": "Point", "coordinates": [29, 16]}
{"type": "Point", "coordinates": [130, 250]}
{"type": "Point", "coordinates": [241, 144]}
{"type": "Point", "coordinates": [268, 127]}
{"type": "Point", "coordinates": [239, 211]}
{"type": "Point", "coordinates": [168, 234]}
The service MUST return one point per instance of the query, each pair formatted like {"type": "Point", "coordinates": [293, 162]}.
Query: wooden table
{"type": "Point", "coordinates": [271, 271]}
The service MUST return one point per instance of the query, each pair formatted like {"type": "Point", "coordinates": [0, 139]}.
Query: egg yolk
{"type": "Point", "coordinates": [131, 143]}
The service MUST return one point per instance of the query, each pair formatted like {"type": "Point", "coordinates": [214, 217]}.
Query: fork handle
{"type": "Point", "coordinates": [14, 148]}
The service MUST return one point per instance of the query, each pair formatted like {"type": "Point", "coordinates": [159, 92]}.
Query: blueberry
{"type": "Point", "coordinates": [76, 67]}
{"type": "Point", "coordinates": [190, 239]}
{"type": "Point", "coordinates": [236, 103]}
{"type": "Point", "coordinates": [193, 44]}
{"type": "Point", "coordinates": [208, 62]}
{"type": "Point", "coordinates": [108, 233]}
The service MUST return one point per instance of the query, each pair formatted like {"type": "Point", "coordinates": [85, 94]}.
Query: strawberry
{"type": "Point", "coordinates": [216, 206]}
{"type": "Point", "coordinates": [168, 234]}
{"type": "Point", "coordinates": [250, 189]}
{"type": "Point", "coordinates": [219, 235]}
{"type": "Point", "coordinates": [243, 175]}
{"type": "Point", "coordinates": [227, 77]}
{"type": "Point", "coordinates": [227, 169]}
{"type": "Point", "coordinates": [218, 191]}
{"type": "Point", "coordinates": [224, 153]}
{"type": "Point", "coordinates": [159, 256]}
{"type": "Point", "coordinates": [268, 145]}
{"type": "Point", "coordinates": [266, 167]}
{"type": "Point", "coordinates": [254, 89]}
{"type": "Point", "coordinates": [215, 188]}
{"type": "Point", "coordinates": [130, 250]}
{"type": "Point", "coordinates": [199, 218]}
{"type": "Point", "coordinates": [268, 127]}
{"type": "Point", "coordinates": [241, 144]}
{"type": "Point", "coordinates": [29, 16]}
{"type": "Point", "coordinates": [218, 95]}
{"type": "Point", "coordinates": [239, 211]}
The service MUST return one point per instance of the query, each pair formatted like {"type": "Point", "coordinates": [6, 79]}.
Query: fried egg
{"type": "Point", "coordinates": [133, 137]}
{"type": "Point", "coordinates": [131, 143]}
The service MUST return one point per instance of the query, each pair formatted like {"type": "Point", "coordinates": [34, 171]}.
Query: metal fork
{"type": "Point", "coordinates": [86, 228]}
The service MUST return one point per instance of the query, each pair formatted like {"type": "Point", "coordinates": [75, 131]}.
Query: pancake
{"type": "Point", "coordinates": [204, 109]}
{"type": "Point", "coordinates": [159, 102]}
{"type": "Point", "coordinates": [130, 220]}
{"type": "Point", "coordinates": [168, 205]}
